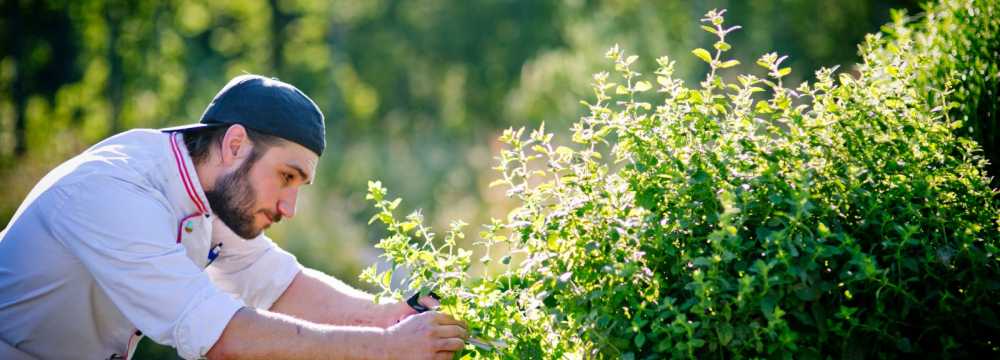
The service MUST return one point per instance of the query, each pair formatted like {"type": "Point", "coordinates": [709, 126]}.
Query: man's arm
{"type": "Point", "coordinates": [260, 334]}
{"type": "Point", "coordinates": [320, 298]}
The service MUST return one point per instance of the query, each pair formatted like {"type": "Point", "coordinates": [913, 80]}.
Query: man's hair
{"type": "Point", "coordinates": [200, 141]}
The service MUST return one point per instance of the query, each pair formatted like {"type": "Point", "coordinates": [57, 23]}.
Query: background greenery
{"type": "Point", "coordinates": [415, 92]}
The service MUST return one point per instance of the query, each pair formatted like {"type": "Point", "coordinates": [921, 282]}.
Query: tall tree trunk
{"type": "Point", "coordinates": [113, 89]}
{"type": "Point", "coordinates": [279, 20]}
{"type": "Point", "coordinates": [18, 92]}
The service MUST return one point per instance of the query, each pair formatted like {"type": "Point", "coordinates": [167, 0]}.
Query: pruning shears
{"type": "Point", "coordinates": [414, 303]}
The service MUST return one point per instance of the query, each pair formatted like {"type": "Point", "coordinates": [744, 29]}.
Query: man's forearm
{"type": "Point", "coordinates": [320, 298]}
{"type": "Point", "coordinates": [259, 334]}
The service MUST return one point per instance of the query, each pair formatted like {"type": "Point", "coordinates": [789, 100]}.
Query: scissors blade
{"type": "Point", "coordinates": [479, 343]}
{"type": "Point", "coordinates": [487, 345]}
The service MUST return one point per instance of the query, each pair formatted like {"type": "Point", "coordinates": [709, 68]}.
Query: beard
{"type": "Point", "coordinates": [232, 200]}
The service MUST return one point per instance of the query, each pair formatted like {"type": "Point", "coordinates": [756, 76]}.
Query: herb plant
{"type": "Point", "coordinates": [736, 218]}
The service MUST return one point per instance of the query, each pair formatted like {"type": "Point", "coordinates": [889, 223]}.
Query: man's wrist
{"type": "Point", "coordinates": [400, 311]}
{"type": "Point", "coordinates": [391, 313]}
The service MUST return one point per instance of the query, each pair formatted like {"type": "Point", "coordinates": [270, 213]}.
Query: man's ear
{"type": "Point", "coordinates": [235, 145]}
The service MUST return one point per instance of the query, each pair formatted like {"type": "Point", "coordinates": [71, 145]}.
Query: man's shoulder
{"type": "Point", "coordinates": [134, 157]}
{"type": "Point", "coordinates": [135, 137]}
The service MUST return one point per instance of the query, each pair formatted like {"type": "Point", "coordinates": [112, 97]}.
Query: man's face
{"type": "Point", "coordinates": [263, 189]}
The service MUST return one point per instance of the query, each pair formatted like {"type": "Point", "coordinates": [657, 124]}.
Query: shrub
{"type": "Point", "coordinates": [734, 219]}
{"type": "Point", "coordinates": [961, 41]}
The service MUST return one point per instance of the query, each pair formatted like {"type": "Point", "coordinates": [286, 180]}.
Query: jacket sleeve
{"type": "Point", "coordinates": [256, 271]}
{"type": "Point", "coordinates": [125, 235]}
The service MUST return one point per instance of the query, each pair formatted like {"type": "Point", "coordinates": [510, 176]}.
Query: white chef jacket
{"type": "Point", "coordinates": [115, 244]}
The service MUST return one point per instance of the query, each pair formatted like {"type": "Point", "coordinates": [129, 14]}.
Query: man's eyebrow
{"type": "Point", "coordinates": [301, 172]}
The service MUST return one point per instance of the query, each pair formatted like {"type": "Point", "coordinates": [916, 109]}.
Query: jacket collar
{"type": "Point", "coordinates": [185, 192]}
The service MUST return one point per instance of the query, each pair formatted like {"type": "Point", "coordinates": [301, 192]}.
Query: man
{"type": "Point", "coordinates": [143, 235]}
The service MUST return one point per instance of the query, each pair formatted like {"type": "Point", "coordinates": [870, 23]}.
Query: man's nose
{"type": "Point", "coordinates": [286, 204]}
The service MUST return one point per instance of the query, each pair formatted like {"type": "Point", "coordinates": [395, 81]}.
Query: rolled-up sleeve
{"type": "Point", "coordinates": [125, 235]}
{"type": "Point", "coordinates": [256, 271]}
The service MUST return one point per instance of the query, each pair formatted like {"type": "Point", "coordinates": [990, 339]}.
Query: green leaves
{"type": "Point", "coordinates": [386, 279]}
{"type": "Point", "coordinates": [631, 59]}
{"type": "Point", "coordinates": [742, 219]}
{"type": "Point", "coordinates": [640, 339]}
{"type": "Point", "coordinates": [772, 63]}
{"type": "Point", "coordinates": [703, 55]}
{"type": "Point", "coordinates": [729, 64]}
{"type": "Point", "coordinates": [642, 86]}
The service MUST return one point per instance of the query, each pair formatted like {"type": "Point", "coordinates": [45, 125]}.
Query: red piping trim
{"type": "Point", "coordinates": [130, 350]}
{"type": "Point", "coordinates": [185, 177]}
{"type": "Point", "coordinates": [201, 205]}
{"type": "Point", "coordinates": [180, 171]}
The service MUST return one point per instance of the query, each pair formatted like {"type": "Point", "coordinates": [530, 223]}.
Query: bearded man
{"type": "Point", "coordinates": [159, 233]}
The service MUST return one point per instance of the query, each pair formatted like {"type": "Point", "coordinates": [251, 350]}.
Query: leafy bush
{"type": "Point", "coordinates": [961, 40]}
{"type": "Point", "coordinates": [738, 218]}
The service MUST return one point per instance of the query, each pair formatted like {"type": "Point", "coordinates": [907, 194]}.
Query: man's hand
{"type": "Point", "coordinates": [320, 298]}
{"type": "Point", "coordinates": [429, 335]}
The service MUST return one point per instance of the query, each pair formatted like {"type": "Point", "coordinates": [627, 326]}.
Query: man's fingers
{"type": "Point", "coordinates": [445, 319]}
{"type": "Point", "coordinates": [450, 331]}
{"type": "Point", "coordinates": [429, 302]}
{"type": "Point", "coordinates": [449, 344]}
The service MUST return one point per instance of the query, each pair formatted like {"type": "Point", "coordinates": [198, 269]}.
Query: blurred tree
{"type": "Point", "coordinates": [39, 59]}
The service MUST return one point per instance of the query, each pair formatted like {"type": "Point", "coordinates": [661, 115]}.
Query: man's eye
{"type": "Point", "coordinates": [286, 177]}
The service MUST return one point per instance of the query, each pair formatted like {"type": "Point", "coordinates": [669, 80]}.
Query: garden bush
{"type": "Point", "coordinates": [736, 218]}
{"type": "Point", "coordinates": [961, 40]}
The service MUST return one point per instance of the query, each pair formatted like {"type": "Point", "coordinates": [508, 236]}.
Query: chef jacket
{"type": "Point", "coordinates": [119, 243]}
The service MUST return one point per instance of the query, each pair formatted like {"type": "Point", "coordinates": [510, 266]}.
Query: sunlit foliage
{"type": "Point", "coordinates": [735, 218]}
